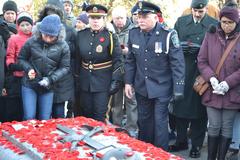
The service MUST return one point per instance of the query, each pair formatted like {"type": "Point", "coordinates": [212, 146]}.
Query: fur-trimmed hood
{"type": "Point", "coordinates": [217, 28]}
{"type": "Point", "coordinates": [37, 34]}
{"type": "Point", "coordinates": [51, 8]}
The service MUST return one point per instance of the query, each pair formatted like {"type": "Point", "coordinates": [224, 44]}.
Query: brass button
{"type": "Point", "coordinates": [90, 66]}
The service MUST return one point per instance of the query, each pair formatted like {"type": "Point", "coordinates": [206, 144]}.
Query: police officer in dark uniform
{"type": "Point", "coordinates": [155, 70]}
{"type": "Point", "coordinates": [99, 62]}
{"type": "Point", "coordinates": [191, 31]}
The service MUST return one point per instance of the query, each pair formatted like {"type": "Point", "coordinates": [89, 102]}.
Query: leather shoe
{"type": "Point", "coordinates": [178, 147]}
{"type": "Point", "coordinates": [195, 152]}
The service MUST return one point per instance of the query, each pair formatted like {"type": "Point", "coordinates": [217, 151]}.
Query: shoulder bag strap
{"type": "Point", "coordinates": [225, 54]}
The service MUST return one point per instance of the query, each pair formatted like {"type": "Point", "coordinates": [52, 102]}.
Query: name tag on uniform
{"type": "Point", "coordinates": [135, 46]}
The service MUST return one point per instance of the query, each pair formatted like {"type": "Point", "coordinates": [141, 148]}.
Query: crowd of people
{"type": "Point", "coordinates": [133, 72]}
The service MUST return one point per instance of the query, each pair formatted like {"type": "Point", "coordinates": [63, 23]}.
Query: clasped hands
{"type": "Point", "coordinates": [219, 88]}
{"type": "Point", "coordinates": [45, 82]}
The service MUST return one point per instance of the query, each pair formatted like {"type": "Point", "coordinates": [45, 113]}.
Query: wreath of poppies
{"type": "Point", "coordinates": [44, 138]}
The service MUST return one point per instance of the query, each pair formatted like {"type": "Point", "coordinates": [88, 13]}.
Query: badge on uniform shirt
{"type": "Point", "coordinates": [135, 46]}
{"type": "Point", "coordinates": [99, 49]}
{"type": "Point", "coordinates": [158, 47]}
{"type": "Point", "coordinates": [175, 40]}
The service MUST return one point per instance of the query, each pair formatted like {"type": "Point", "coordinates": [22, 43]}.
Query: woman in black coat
{"type": "Point", "coordinates": [45, 59]}
{"type": "Point", "coordinates": [64, 89]}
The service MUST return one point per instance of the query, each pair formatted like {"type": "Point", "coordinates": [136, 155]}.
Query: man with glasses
{"type": "Point", "coordinates": [99, 63]}
{"type": "Point", "coordinates": [154, 68]}
{"type": "Point", "coordinates": [189, 111]}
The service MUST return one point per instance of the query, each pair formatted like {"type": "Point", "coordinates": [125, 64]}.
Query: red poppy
{"type": "Point", "coordinates": [43, 137]}
{"type": "Point", "coordinates": [102, 39]}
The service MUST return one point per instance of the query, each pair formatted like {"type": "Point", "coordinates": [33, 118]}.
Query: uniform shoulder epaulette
{"type": "Point", "coordinates": [166, 28]}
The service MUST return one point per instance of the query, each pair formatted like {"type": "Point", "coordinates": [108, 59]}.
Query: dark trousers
{"type": "Point", "coordinates": [153, 120]}
{"type": "Point", "coordinates": [76, 103]}
{"type": "Point", "coordinates": [94, 104]}
{"type": "Point", "coordinates": [198, 129]}
{"type": "Point", "coordinates": [11, 109]}
{"type": "Point", "coordinates": [58, 110]}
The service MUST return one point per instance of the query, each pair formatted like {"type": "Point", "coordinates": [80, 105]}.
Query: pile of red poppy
{"type": "Point", "coordinates": [44, 139]}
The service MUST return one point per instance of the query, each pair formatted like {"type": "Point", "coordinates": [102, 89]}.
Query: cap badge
{"type": "Point", "coordinates": [140, 5]}
{"type": "Point", "coordinates": [95, 10]}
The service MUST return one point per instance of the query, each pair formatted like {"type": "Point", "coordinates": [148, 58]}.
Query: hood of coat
{"type": "Point", "coordinates": [37, 34]}
{"type": "Point", "coordinates": [217, 28]}
{"type": "Point", "coordinates": [51, 9]}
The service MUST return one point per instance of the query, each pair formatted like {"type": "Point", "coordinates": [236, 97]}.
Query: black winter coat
{"type": "Point", "coordinates": [2, 59]}
{"type": "Point", "coordinates": [48, 60]}
{"type": "Point", "coordinates": [64, 88]}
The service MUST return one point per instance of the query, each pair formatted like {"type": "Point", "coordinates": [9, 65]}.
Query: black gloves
{"type": "Point", "coordinates": [173, 101]}
{"type": "Point", "coordinates": [178, 96]}
{"type": "Point", "coordinates": [115, 86]}
{"type": "Point", "coordinates": [15, 67]}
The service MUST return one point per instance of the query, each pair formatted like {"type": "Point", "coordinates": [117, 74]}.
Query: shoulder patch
{"type": "Point", "coordinates": [175, 40]}
{"type": "Point", "coordinates": [165, 27]}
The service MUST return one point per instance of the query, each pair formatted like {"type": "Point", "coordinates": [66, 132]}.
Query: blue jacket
{"type": "Point", "coordinates": [156, 68]}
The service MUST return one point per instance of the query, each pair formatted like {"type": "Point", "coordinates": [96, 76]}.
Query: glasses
{"type": "Point", "coordinates": [227, 22]}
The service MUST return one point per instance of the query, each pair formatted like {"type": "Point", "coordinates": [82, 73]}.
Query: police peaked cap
{"type": "Point", "coordinates": [134, 9]}
{"type": "Point", "coordinates": [96, 10]}
{"type": "Point", "coordinates": [199, 4]}
{"type": "Point", "coordinates": [147, 7]}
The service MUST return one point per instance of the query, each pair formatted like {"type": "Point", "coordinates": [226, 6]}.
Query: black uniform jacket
{"type": "Point", "coordinates": [96, 48]}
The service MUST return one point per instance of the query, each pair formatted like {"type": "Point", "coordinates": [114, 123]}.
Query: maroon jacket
{"type": "Point", "coordinates": [210, 54]}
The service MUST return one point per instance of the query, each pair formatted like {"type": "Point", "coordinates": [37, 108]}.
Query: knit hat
{"type": "Point", "coordinates": [68, 1]}
{"type": "Point", "coordinates": [56, 3]}
{"type": "Point", "coordinates": [230, 13]}
{"type": "Point", "coordinates": [9, 6]}
{"type": "Point", "coordinates": [83, 17]}
{"type": "Point", "coordinates": [50, 25]}
{"type": "Point", "coordinates": [231, 3]}
{"type": "Point", "coordinates": [24, 16]}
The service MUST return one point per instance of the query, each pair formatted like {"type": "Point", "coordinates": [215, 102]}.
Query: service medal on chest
{"type": "Point", "coordinates": [158, 47]}
{"type": "Point", "coordinates": [99, 49]}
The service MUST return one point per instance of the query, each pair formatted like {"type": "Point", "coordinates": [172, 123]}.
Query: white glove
{"type": "Point", "coordinates": [224, 86]}
{"type": "Point", "coordinates": [44, 82]}
{"type": "Point", "coordinates": [214, 82]}
{"type": "Point", "coordinates": [218, 91]}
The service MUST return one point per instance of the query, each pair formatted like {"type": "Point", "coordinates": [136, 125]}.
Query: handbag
{"type": "Point", "coordinates": [201, 85]}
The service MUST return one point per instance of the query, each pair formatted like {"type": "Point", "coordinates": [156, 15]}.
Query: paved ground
{"type": "Point", "coordinates": [185, 154]}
